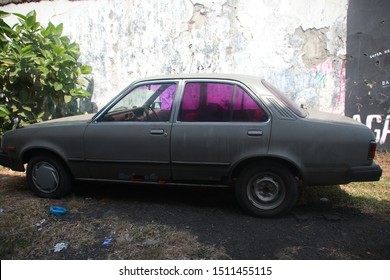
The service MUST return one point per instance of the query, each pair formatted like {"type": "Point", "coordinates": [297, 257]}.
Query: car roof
{"type": "Point", "coordinates": [247, 79]}
{"type": "Point", "coordinates": [253, 82]}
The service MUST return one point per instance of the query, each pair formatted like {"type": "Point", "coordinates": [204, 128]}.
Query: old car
{"type": "Point", "coordinates": [207, 130]}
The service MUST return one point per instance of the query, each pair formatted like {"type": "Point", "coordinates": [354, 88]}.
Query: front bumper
{"type": "Point", "coordinates": [5, 160]}
{"type": "Point", "coordinates": [365, 173]}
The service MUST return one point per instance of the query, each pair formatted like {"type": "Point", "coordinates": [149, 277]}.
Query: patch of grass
{"type": "Point", "coordinates": [369, 197]}
{"type": "Point", "coordinates": [30, 231]}
{"type": "Point", "coordinates": [155, 241]}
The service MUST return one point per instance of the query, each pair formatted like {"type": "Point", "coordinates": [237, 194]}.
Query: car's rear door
{"type": "Point", "coordinates": [131, 141]}
{"type": "Point", "coordinates": [219, 123]}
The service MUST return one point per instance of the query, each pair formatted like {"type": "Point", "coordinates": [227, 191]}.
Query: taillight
{"type": "Point", "coordinates": [372, 150]}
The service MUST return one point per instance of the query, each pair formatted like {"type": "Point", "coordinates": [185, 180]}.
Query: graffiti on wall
{"type": "Point", "coordinates": [321, 71]}
{"type": "Point", "coordinates": [379, 125]}
{"type": "Point", "coordinates": [368, 67]}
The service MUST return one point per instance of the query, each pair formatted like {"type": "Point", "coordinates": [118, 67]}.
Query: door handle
{"type": "Point", "coordinates": [157, 131]}
{"type": "Point", "coordinates": [255, 133]}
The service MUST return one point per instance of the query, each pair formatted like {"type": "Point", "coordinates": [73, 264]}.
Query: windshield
{"type": "Point", "coordinates": [282, 97]}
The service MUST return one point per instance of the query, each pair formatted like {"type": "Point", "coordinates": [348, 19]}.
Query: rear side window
{"type": "Point", "coordinates": [218, 102]}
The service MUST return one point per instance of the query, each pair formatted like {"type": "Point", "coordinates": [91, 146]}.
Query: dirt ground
{"type": "Point", "coordinates": [315, 230]}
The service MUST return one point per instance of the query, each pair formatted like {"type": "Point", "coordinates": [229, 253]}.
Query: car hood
{"type": "Point", "coordinates": [331, 118]}
{"type": "Point", "coordinates": [73, 120]}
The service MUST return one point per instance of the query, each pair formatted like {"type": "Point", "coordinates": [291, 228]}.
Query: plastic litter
{"type": "Point", "coordinates": [39, 225]}
{"type": "Point", "coordinates": [324, 199]}
{"type": "Point", "coordinates": [1, 210]}
{"type": "Point", "coordinates": [60, 246]}
{"type": "Point", "coordinates": [57, 210]}
{"type": "Point", "coordinates": [107, 241]}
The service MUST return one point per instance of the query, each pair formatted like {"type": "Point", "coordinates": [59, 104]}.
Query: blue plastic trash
{"type": "Point", "coordinates": [107, 241]}
{"type": "Point", "coordinates": [57, 210]}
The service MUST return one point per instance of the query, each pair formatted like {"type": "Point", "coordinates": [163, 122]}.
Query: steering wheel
{"type": "Point", "coordinates": [146, 113]}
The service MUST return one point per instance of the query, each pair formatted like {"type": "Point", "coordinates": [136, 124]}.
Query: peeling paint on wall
{"type": "Point", "coordinates": [297, 45]}
{"type": "Point", "coordinates": [314, 49]}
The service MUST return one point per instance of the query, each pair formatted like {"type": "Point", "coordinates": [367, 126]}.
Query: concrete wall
{"type": "Point", "coordinates": [299, 45]}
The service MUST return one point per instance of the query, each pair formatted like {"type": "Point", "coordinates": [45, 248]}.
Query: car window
{"type": "Point", "coordinates": [218, 102]}
{"type": "Point", "coordinates": [150, 102]}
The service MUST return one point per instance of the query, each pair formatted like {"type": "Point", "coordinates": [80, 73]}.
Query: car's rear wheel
{"type": "Point", "coordinates": [266, 190]}
{"type": "Point", "coordinates": [48, 177]}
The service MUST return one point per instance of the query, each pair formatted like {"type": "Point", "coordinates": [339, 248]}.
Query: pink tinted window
{"type": "Point", "coordinates": [213, 102]}
{"type": "Point", "coordinates": [166, 96]}
{"type": "Point", "coordinates": [220, 94]}
{"type": "Point", "coordinates": [246, 109]}
{"type": "Point", "coordinates": [191, 97]}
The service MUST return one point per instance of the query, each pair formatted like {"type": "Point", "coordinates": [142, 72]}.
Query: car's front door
{"type": "Point", "coordinates": [130, 140]}
{"type": "Point", "coordinates": [218, 124]}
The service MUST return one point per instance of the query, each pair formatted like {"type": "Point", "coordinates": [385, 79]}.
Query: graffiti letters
{"type": "Point", "coordinates": [379, 53]}
{"type": "Point", "coordinates": [380, 133]}
{"type": "Point", "coordinates": [321, 71]}
{"type": "Point", "coordinates": [386, 83]}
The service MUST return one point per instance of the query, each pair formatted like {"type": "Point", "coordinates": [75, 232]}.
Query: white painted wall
{"type": "Point", "coordinates": [299, 45]}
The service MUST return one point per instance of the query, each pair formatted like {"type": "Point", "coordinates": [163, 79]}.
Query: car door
{"type": "Point", "coordinates": [218, 124]}
{"type": "Point", "coordinates": [130, 139]}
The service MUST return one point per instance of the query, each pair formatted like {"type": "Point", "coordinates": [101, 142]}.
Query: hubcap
{"type": "Point", "coordinates": [266, 191]}
{"type": "Point", "coordinates": [45, 177]}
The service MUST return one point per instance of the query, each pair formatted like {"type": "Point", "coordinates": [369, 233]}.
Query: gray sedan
{"type": "Point", "coordinates": [207, 130]}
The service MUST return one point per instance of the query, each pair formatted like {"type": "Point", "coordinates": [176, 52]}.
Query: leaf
{"type": "Point", "coordinates": [7, 61]}
{"type": "Point", "coordinates": [58, 49]}
{"type": "Point", "coordinates": [74, 47]}
{"type": "Point", "coordinates": [31, 19]}
{"type": "Point", "coordinates": [32, 13]}
{"type": "Point", "coordinates": [6, 29]}
{"type": "Point", "coordinates": [86, 69]}
{"type": "Point", "coordinates": [4, 112]}
{"type": "Point", "coordinates": [48, 30]}
{"type": "Point", "coordinates": [14, 73]}
{"type": "Point", "coordinates": [3, 14]}
{"type": "Point", "coordinates": [20, 16]}
{"type": "Point", "coordinates": [58, 29]}
{"type": "Point", "coordinates": [67, 98]}
{"type": "Point", "coordinates": [46, 53]}
{"type": "Point", "coordinates": [27, 49]}
{"type": "Point", "coordinates": [40, 115]}
{"type": "Point", "coordinates": [81, 93]}
{"type": "Point", "coordinates": [27, 108]}
{"type": "Point", "coordinates": [36, 26]}
{"type": "Point", "coordinates": [58, 86]}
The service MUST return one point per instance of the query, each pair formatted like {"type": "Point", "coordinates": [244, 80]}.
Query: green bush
{"type": "Point", "coordinates": [40, 77]}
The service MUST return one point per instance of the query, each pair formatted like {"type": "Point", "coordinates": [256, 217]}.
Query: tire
{"type": "Point", "coordinates": [48, 177]}
{"type": "Point", "coordinates": [266, 190]}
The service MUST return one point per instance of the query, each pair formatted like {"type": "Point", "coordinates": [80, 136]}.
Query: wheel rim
{"type": "Point", "coordinates": [45, 177]}
{"type": "Point", "coordinates": [266, 191]}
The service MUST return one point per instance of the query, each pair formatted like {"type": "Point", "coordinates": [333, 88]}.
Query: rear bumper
{"type": "Point", "coordinates": [365, 173]}
{"type": "Point", "coordinates": [342, 175]}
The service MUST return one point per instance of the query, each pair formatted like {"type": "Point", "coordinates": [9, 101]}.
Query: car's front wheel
{"type": "Point", "coordinates": [48, 177]}
{"type": "Point", "coordinates": [266, 190]}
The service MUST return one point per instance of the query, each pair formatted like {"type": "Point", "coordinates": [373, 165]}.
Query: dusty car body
{"type": "Point", "coordinates": [208, 130]}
